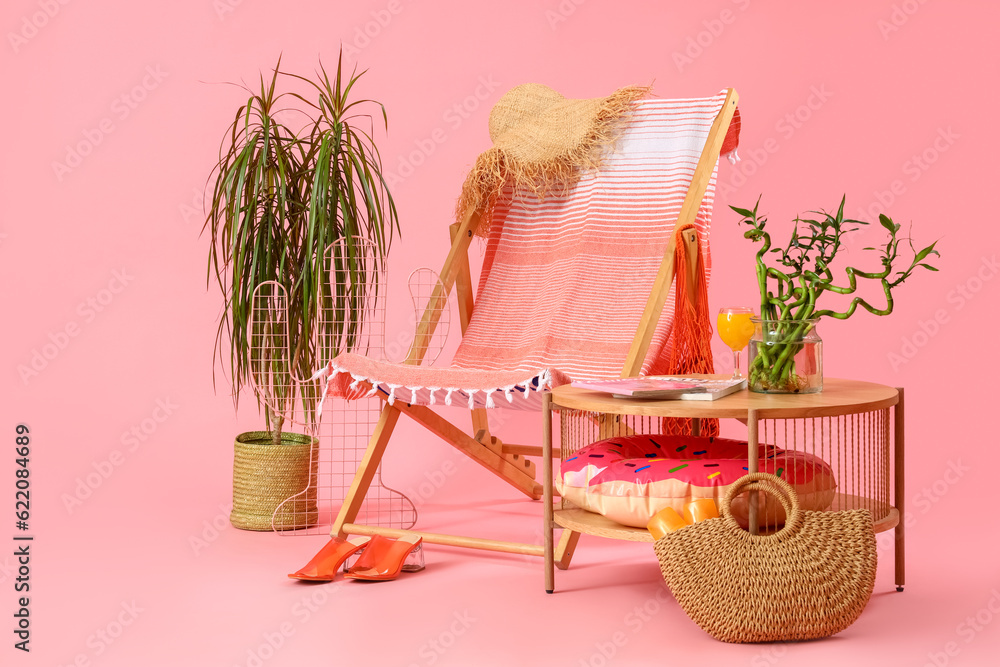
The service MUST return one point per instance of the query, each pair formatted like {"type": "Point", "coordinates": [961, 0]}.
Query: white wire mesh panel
{"type": "Point", "coordinates": [354, 320]}
{"type": "Point", "coordinates": [422, 284]}
{"type": "Point", "coordinates": [290, 401]}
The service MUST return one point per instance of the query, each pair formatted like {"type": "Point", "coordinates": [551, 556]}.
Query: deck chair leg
{"type": "Point", "coordinates": [466, 304]}
{"type": "Point", "coordinates": [481, 425]}
{"type": "Point", "coordinates": [565, 549]}
{"type": "Point", "coordinates": [366, 470]}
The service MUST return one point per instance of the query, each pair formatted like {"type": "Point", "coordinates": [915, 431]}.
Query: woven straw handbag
{"type": "Point", "coordinates": [810, 579]}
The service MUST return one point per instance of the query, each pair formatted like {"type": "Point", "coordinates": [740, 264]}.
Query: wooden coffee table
{"type": "Point", "coordinates": [848, 424]}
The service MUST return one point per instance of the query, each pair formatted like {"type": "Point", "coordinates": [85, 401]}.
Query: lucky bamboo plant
{"type": "Point", "coordinates": [790, 292]}
{"type": "Point", "coordinates": [281, 196]}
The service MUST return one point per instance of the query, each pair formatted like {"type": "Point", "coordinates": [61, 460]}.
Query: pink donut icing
{"type": "Point", "coordinates": [631, 478]}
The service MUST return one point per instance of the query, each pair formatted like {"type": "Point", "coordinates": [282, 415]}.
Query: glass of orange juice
{"type": "Point", "coordinates": [735, 330]}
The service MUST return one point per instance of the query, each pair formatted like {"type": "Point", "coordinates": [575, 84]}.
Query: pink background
{"type": "Point", "coordinates": [104, 262]}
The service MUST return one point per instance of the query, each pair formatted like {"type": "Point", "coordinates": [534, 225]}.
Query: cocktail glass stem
{"type": "Point", "coordinates": [736, 365]}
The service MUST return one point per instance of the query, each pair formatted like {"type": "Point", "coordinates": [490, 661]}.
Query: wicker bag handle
{"type": "Point", "coordinates": [782, 490]}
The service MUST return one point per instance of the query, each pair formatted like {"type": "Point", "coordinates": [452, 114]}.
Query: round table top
{"type": "Point", "coordinates": [839, 397]}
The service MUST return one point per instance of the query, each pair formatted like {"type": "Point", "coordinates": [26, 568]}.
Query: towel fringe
{"type": "Point", "coordinates": [544, 380]}
{"type": "Point", "coordinates": [324, 382]}
{"type": "Point", "coordinates": [321, 372]}
{"type": "Point", "coordinates": [539, 383]}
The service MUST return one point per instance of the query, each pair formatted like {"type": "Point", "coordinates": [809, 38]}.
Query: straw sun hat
{"type": "Point", "coordinates": [542, 140]}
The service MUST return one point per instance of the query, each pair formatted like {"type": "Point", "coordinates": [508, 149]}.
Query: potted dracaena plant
{"type": "Point", "coordinates": [282, 195]}
{"type": "Point", "coordinates": [785, 350]}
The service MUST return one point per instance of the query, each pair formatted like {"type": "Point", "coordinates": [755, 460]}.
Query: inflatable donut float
{"type": "Point", "coordinates": [629, 479]}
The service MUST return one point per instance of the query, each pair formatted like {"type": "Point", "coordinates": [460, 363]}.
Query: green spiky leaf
{"type": "Point", "coordinates": [280, 198]}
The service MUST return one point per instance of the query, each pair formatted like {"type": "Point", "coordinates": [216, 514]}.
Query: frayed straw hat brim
{"type": "Point", "coordinates": [542, 141]}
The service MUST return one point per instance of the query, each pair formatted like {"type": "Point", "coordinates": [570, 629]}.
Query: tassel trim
{"type": "Point", "coordinates": [337, 385]}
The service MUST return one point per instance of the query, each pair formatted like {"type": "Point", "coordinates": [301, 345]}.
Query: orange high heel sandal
{"type": "Point", "coordinates": [383, 559]}
{"type": "Point", "coordinates": [324, 565]}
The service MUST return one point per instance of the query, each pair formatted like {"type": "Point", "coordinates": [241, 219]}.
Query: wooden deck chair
{"type": "Point", "coordinates": [555, 302]}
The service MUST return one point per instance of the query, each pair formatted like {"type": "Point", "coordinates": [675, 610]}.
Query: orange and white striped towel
{"type": "Point", "coordinates": [566, 277]}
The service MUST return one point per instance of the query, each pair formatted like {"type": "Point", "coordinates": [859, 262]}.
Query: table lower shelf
{"type": "Point", "coordinates": [589, 523]}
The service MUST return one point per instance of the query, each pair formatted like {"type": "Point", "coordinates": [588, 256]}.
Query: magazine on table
{"type": "Point", "coordinates": [663, 387]}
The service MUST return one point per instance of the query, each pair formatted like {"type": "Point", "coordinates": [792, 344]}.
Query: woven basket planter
{"type": "Point", "coordinates": [265, 475]}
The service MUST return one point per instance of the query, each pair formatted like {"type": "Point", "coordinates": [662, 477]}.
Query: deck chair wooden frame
{"type": "Point", "coordinates": [505, 460]}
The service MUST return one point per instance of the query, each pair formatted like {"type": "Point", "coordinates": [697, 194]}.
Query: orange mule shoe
{"type": "Point", "coordinates": [383, 559]}
{"type": "Point", "coordinates": [324, 565]}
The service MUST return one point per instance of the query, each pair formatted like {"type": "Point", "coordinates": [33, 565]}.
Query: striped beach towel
{"type": "Point", "coordinates": [566, 277]}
